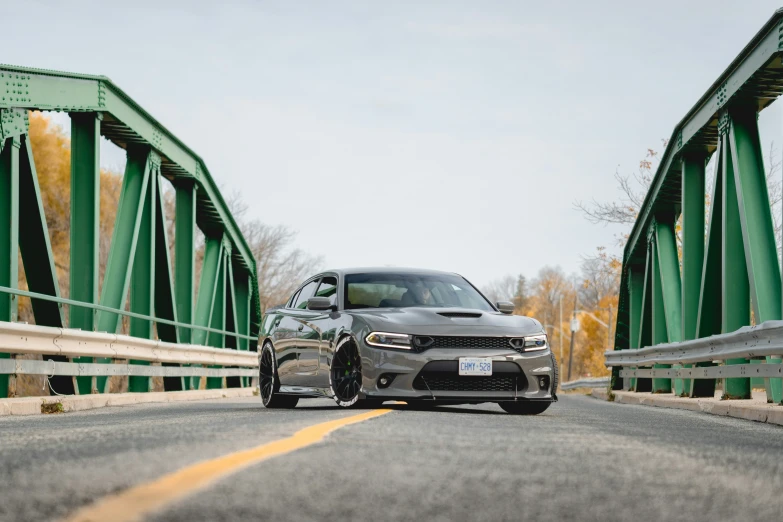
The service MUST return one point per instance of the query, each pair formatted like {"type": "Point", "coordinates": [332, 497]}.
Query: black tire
{"type": "Point", "coordinates": [269, 383]}
{"type": "Point", "coordinates": [525, 407]}
{"type": "Point", "coordinates": [345, 374]}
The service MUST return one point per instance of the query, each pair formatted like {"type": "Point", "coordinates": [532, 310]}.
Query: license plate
{"type": "Point", "coordinates": [475, 366]}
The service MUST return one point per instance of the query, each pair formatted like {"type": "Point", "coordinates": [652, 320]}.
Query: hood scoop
{"type": "Point", "coordinates": [467, 315]}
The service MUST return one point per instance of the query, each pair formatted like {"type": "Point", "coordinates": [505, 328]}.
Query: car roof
{"type": "Point", "coordinates": [386, 270]}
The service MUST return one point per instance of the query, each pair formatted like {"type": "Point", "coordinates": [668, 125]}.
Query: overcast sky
{"type": "Point", "coordinates": [449, 135]}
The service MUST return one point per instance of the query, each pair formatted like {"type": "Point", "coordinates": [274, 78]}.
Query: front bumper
{"type": "Point", "coordinates": [407, 366]}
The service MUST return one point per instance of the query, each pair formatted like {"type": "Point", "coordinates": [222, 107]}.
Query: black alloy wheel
{"type": "Point", "coordinates": [269, 384]}
{"type": "Point", "coordinates": [345, 376]}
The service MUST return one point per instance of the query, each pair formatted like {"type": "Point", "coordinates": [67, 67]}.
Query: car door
{"type": "Point", "coordinates": [284, 340]}
{"type": "Point", "coordinates": [306, 338]}
{"type": "Point", "coordinates": [286, 334]}
{"type": "Point", "coordinates": [314, 339]}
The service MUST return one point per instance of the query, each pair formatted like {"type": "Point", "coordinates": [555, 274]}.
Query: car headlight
{"type": "Point", "coordinates": [389, 340]}
{"type": "Point", "coordinates": [535, 342]}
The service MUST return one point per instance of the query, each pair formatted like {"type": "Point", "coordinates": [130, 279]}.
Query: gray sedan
{"type": "Point", "coordinates": [368, 335]}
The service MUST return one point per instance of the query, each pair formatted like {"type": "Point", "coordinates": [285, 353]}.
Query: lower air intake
{"type": "Point", "coordinates": [439, 382]}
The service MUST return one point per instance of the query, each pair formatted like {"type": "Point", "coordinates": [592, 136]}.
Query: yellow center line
{"type": "Point", "coordinates": [134, 503]}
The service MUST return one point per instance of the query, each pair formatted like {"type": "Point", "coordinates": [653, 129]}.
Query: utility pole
{"type": "Point", "coordinates": [560, 333]}
{"type": "Point", "coordinates": [573, 334]}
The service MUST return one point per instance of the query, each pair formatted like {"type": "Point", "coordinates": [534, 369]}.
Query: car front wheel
{"type": "Point", "coordinates": [525, 407]}
{"type": "Point", "coordinates": [345, 376]}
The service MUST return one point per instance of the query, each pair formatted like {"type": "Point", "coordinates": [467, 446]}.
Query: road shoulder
{"type": "Point", "coordinates": [755, 409]}
{"type": "Point", "coordinates": [69, 403]}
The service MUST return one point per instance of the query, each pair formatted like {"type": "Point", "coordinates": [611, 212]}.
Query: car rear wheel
{"type": "Point", "coordinates": [345, 376]}
{"type": "Point", "coordinates": [269, 384]}
{"type": "Point", "coordinates": [525, 407]}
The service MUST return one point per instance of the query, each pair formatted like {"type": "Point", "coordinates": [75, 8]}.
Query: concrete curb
{"type": "Point", "coordinates": [769, 413]}
{"type": "Point", "coordinates": [39, 405]}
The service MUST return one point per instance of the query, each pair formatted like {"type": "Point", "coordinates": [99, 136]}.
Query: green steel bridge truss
{"type": "Point", "coordinates": [730, 276]}
{"type": "Point", "coordinates": [225, 313]}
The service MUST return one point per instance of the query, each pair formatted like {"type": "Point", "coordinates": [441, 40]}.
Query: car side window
{"type": "Point", "coordinates": [290, 303]}
{"type": "Point", "coordinates": [307, 291]}
{"type": "Point", "coordinates": [328, 288]}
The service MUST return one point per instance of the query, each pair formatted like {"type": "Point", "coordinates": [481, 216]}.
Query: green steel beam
{"type": "Point", "coordinates": [758, 229]}
{"type": "Point", "coordinates": [164, 281]}
{"type": "Point", "coordinates": [213, 254]}
{"type": "Point", "coordinates": [142, 284]}
{"type": "Point", "coordinates": [9, 236]}
{"type": "Point", "coordinates": [671, 287]}
{"type": "Point", "coordinates": [242, 300]}
{"type": "Point", "coordinates": [219, 317]}
{"type": "Point", "coordinates": [85, 212]}
{"type": "Point", "coordinates": [645, 316]}
{"type": "Point", "coordinates": [85, 226]}
{"type": "Point", "coordinates": [37, 257]}
{"type": "Point", "coordinates": [693, 179]}
{"type": "Point", "coordinates": [668, 266]}
{"type": "Point", "coordinates": [231, 319]}
{"type": "Point", "coordinates": [184, 254]}
{"type": "Point", "coordinates": [231, 305]}
{"type": "Point", "coordinates": [736, 288]}
{"type": "Point", "coordinates": [34, 245]}
{"type": "Point", "coordinates": [165, 300]}
{"type": "Point", "coordinates": [693, 190]}
{"type": "Point", "coordinates": [660, 329]}
{"type": "Point", "coordinates": [242, 310]}
{"type": "Point", "coordinates": [140, 163]}
{"type": "Point", "coordinates": [636, 299]}
{"type": "Point", "coordinates": [708, 318]}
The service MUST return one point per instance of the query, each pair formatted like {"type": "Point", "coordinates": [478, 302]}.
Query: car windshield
{"type": "Point", "coordinates": [403, 290]}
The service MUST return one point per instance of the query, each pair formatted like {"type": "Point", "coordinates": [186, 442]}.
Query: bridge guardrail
{"type": "Point", "coordinates": [749, 342]}
{"type": "Point", "coordinates": [593, 382]}
{"type": "Point", "coordinates": [18, 338]}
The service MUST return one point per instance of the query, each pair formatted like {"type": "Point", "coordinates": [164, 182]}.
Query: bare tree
{"type": "Point", "coordinates": [279, 266]}
{"type": "Point", "coordinates": [633, 188]}
{"type": "Point", "coordinates": [509, 288]}
{"type": "Point", "coordinates": [502, 289]}
{"type": "Point", "coordinates": [600, 278]}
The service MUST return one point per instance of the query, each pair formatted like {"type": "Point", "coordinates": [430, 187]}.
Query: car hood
{"type": "Point", "coordinates": [446, 321]}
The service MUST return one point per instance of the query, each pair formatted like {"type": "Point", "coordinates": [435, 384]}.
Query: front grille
{"type": "Point", "coordinates": [443, 382]}
{"type": "Point", "coordinates": [444, 376]}
{"type": "Point", "coordinates": [425, 342]}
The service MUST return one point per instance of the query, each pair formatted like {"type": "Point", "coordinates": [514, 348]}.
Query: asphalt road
{"type": "Point", "coordinates": [581, 460]}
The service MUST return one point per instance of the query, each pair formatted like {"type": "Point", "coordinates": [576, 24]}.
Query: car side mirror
{"type": "Point", "coordinates": [320, 303]}
{"type": "Point", "coordinates": [505, 307]}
